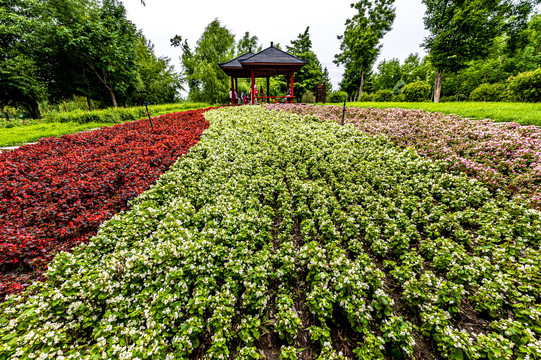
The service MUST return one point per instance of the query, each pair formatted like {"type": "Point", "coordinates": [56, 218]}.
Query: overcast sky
{"type": "Point", "coordinates": [279, 21]}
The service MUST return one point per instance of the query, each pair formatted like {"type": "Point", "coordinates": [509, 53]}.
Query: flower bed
{"type": "Point", "coordinates": [290, 237]}
{"type": "Point", "coordinates": [501, 155]}
{"type": "Point", "coordinates": [57, 192]}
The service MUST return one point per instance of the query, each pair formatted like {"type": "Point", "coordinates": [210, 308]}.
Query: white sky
{"type": "Point", "coordinates": [279, 21]}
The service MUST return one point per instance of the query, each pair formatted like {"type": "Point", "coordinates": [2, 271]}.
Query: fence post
{"type": "Point", "coordinates": [344, 110]}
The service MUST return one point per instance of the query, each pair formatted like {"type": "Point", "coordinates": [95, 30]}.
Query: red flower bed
{"type": "Point", "coordinates": [55, 194]}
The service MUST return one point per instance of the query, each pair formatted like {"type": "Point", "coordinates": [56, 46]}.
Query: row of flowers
{"type": "Point", "coordinates": [501, 155]}
{"type": "Point", "coordinates": [282, 234]}
{"type": "Point", "coordinates": [55, 194]}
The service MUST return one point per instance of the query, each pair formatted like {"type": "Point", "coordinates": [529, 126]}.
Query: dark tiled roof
{"type": "Point", "coordinates": [272, 55]}
{"type": "Point", "coordinates": [235, 62]}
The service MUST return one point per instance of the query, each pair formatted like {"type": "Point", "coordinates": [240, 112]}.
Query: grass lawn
{"type": "Point", "coordinates": [522, 113]}
{"type": "Point", "coordinates": [30, 133]}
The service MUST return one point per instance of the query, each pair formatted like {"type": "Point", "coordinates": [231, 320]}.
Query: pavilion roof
{"type": "Point", "coordinates": [268, 62]}
{"type": "Point", "coordinates": [235, 63]}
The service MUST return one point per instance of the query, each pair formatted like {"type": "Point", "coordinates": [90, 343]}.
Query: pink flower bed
{"type": "Point", "coordinates": [501, 155]}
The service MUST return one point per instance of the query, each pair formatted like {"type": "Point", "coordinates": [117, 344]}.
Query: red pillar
{"type": "Point", "coordinates": [252, 92]}
{"type": "Point", "coordinates": [292, 80]}
{"type": "Point", "coordinates": [233, 99]}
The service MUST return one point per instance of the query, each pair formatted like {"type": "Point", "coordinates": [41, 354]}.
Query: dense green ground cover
{"type": "Point", "coordinates": [17, 132]}
{"type": "Point", "coordinates": [522, 113]}
{"type": "Point", "coordinates": [31, 133]}
{"type": "Point", "coordinates": [283, 236]}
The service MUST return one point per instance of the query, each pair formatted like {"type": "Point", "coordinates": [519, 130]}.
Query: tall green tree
{"type": "Point", "coordinates": [462, 31]}
{"type": "Point", "coordinates": [310, 74]}
{"type": "Point", "coordinates": [360, 43]}
{"type": "Point", "coordinates": [24, 44]}
{"type": "Point", "coordinates": [389, 73]}
{"type": "Point", "coordinates": [105, 46]}
{"type": "Point", "coordinates": [158, 81]}
{"type": "Point", "coordinates": [206, 81]}
{"type": "Point", "coordinates": [248, 43]}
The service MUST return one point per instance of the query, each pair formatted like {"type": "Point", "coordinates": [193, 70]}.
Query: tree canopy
{"type": "Point", "coordinates": [312, 73]}
{"type": "Point", "coordinates": [56, 49]}
{"type": "Point", "coordinates": [360, 43]}
{"type": "Point", "coordinates": [462, 31]}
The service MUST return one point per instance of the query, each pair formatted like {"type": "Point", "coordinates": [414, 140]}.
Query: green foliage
{"type": "Point", "coordinates": [448, 99]}
{"type": "Point", "coordinates": [53, 50]}
{"type": "Point", "coordinates": [24, 41]}
{"type": "Point", "coordinates": [365, 97]}
{"type": "Point", "coordinates": [417, 69]}
{"type": "Point", "coordinates": [310, 74]}
{"type": "Point", "coordinates": [159, 82]}
{"type": "Point", "coordinates": [308, 97]}
{"type": "Point", "coordinates": [416, 91]}
{"type": "Point", "coordinates": [383, 95]}
{"type": "Point", "coordinates": [399, 86]}
{"type": "Point", "coordinates": [206, 81]}
{"type": "Point", "coordinates": [337, 97]}
{"type": "Point", "coordinates": [248, 43]}
{"type": "Point", "coordinates": [399, 98]}
{"type": "Point", "coordinates": [389, 73]}
{"type": "Point", "coordinates": [360, 43]}
{"type": "Point", "coordinates": [526, 86]}
{"type": "Point", "coordinates": [462, 31]}
{"type": "Point", "coordinates": [31, 133]}
{"type": "Point", "coordinates": [488, 92]}
{"type": "Point", "coordinates": [111, 115]}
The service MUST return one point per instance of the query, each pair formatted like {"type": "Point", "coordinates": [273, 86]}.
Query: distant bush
{"type": "Point", "coordinates": [399, 98]}
{"type": "Point", "coordinates": [448, 98]}
{"type": "Point", "coordinates": [308, 97]}
{"type": "Point", "coordinates": [416, 91]}
{"type": "Point", "coordinates": [488, 92]}
{"type": "Point", "coordinates": [383, 95]}
{"type": "Point", "coordinates": [365, 97]}
{"type": "Point", "coordinates": [336, 96]}
{"type": "Point", "coordinates": [526, 86]}
{"type": "Point", "coordinates": [398, 87]}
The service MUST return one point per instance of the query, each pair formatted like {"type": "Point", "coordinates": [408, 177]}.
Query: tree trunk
{"type": "Point", "coordinates": [7, 115]}
{"type": "Point", "coordinates": [89, 102]}
{"type": "Point", "coordinates": [34, 110]}
{"type": "Point", "coordinates": [113, 97]}
{"type": "Point", "coordinates": [362, 83]}
{"type": "Point", "coordinates": [437, 87]}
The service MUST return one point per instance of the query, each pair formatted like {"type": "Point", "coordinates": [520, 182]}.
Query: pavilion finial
{"type": "Point", "coordinates": [272, 44]}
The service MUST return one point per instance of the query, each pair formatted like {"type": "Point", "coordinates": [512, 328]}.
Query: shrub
{"type": "Point", "coordinates": [308, 97]}
{"type": "Point", "coordinates": [383, 95]}
{"type": "Point", "coordinates": [526, 86]}
{"type": "Point", "coordinates": [399, 98]}
{"type": "Point", "coordinates": [364, 97]}
{"type": "Point", "coordinates": [398, 87]}
{"type": "Point", "coordinates": [336, 96]}
{"type": "Point", "coordinates": [416, 91]}
{"type": "Point", "coordinates": [488, 92]}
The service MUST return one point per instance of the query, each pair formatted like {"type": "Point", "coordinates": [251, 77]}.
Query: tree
{"type": "Point", "coordinates": [158, 81]}
{"type": "Point", "coordinates": [389, 73]}
{"type": "Point", "coordinates": [206, 81]}
{"type": "Point", "coordinates": [105, 46]}
{"type": "Point", "coordinates": [360, 43]}
{"type": "Point", "coordinates": [462, 31]}
{"type": "Point", "coordinates": [24, 43]}
{"type": "Point", "coordinates": [248, 43]}
{"type": "Point", "coordinates": [310, 74]}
